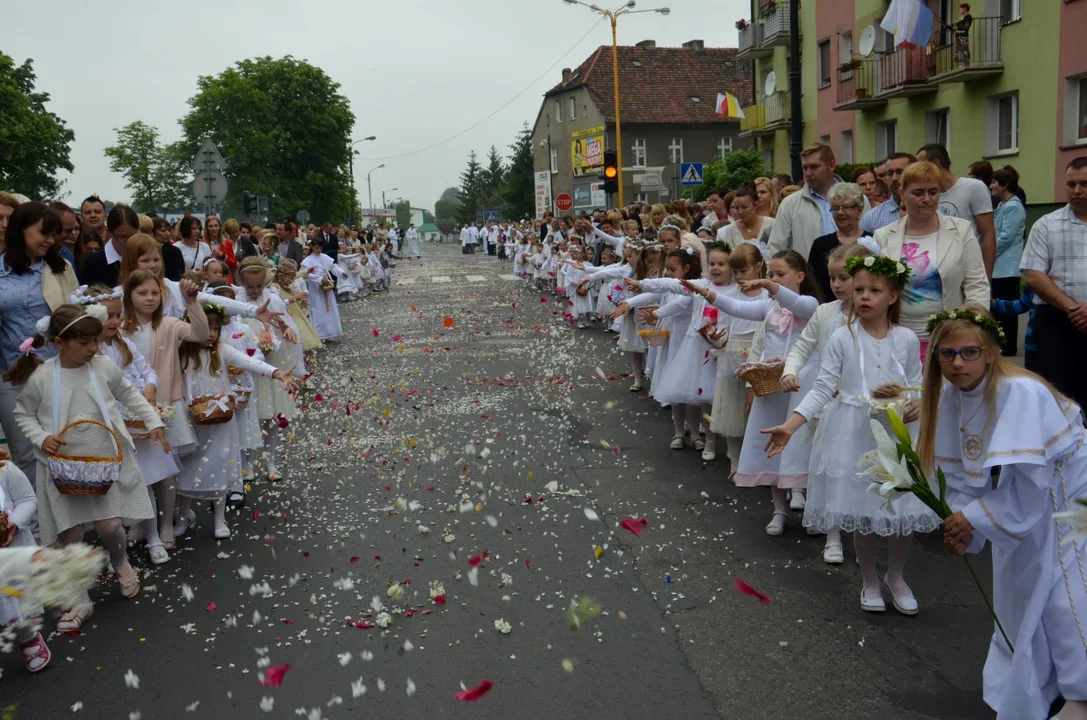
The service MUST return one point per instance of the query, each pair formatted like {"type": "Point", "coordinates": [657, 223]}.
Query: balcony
{"type": "Point", "coordinates": [751, 46]}
{"type": "Point", "coordinates": [961, 59]}
{"type": "Point", "coordinates": [774, 16]}
{"type": "Point", "coordinates": [769, 116]}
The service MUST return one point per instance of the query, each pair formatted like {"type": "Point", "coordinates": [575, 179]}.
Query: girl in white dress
{"type": "Point", "coordinates": [979, 411]}
{"type": "Point", "coordinates": [18, 508]}
{"type": "Point", "coordinates": [155, 465]}
{"type": "Point", "coordinates": [647, 262]}
{"type": "Point", "coordinates": [79, 385]}
{"type": "Point", "coordinates": [793, 300]}
{"type": "Point", "coordinates": [574, 278]}
{"type": "Point", "coordinates": [828, 318]}
{"type": "Point", "coordinates": [872, 357]}
{"type": "Point", "coordinates": [324, 311]}
{"type": "Point", "coordinates": [215, 466]}
{"type": "Point", "coordinates": [604, 306]}
{"type": "Point", "coordinates": [729, 411]}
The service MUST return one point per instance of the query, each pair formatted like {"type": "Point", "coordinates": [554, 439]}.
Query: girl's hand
{"type": "Point", "coordinates": [958, 533]}
{"type": "Point", "coordinates": [648, 317]}
{"type": "Point", "coordinates": [291, 384]}
{"type": "Point", "coordinates": [264, 314]}
{"type": "Point", "coordinates": [577, 265]}
{"type": "Point", "coordinates": [620, 310]}
{"type": "Point", "coordinates": [158, 437]}
{"type": "Point", "coordinates": [189, 289]}
{"type": "Point", "coordinates": [750, 400]}
{"type": "Point", "coordinates": [759, 284]}
{"type": "Point", "coordinates": [890, 390]}
{"type": "Point", "coordinates": [914, 413]}
{"type": "Point", "coordinates": [632, 284]}
{"type": "Point", "coordinates": [696, 289]}
{"type": "Point", "coordinates": [789, 383]}
{"type": "Point", "coordinates": [52, 444]}
{"type": "Point", "coordinates": [302, 296]}
{"type": "Point", "coordinates": [289, 336]}
{"type": "Point", "coordinates": [149, 393]}
{"type": "Point", "coordinates": [779, 438]}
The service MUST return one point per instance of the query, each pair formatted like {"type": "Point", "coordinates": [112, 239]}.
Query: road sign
{"type": "Point", "coordinates": [690, 174]}
{"type": "Point", "coordinates": [564, 202]}
{"type": "Point", "coordinates": [208, 158]}
{"type": "Point", "coordinates": [209, 187]}
{"type": "Point", "coordinates": [302, 217]}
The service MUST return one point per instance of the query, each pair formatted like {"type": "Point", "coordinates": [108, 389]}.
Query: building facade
{"type": "Point", "coordinates": [1011, 90]}
{"type": "Point", "coordinates": [668, 98]}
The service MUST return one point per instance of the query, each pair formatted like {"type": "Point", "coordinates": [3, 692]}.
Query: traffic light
{"type": "Point", "coordinates": [249, 204]}
{"type": "Point", "coordinates": [611, 172]}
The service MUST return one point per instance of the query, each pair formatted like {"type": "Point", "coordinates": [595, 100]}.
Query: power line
{"type": "Point", "coordinates": [500, 109]}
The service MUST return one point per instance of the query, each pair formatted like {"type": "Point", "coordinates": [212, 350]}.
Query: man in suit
{"type": "Point", "coordinates": [288, 248]}
{"type": "Point", "coordinates": [329, 240]}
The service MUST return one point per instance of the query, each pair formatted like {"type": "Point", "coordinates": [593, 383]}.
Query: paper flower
{"type": "Point", "coordinates": [383, 620]}
{"type": "Point", "coordinates": [502, 626]}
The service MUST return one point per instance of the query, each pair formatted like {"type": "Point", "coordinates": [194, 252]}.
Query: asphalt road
{"type": "Point", "coordinates": [455, 400]}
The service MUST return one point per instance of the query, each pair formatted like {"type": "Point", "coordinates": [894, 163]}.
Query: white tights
{"type": "Point", "coordinates": [637, 367]}
{"type": "Point", "coordinates": [112, 535]}
{"type": "Point", "coordinates": [898, 547]}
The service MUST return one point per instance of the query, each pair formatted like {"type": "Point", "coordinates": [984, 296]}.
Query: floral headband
{"type": "Point", "coordinates": [879, 266]}
{"type": "Point", "coordinates": [80, 296]}
{"type": "Point", "coordinates": [214, 309]}
{"type": "Point", "coordinates": [983, 321]}
{"type": "Point", "coordinates": [717, 245]}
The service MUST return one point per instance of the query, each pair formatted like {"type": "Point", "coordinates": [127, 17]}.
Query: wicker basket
{"type": "Point", "coordinates": [241, 397]}
{"type": "Point", "coordinates": [763, 377]}
{"type": "Point", "coordinates": [583, 289]}
{"type": "Point", "coordinates": [212, 409]}
{"type": "Point", "coordinates": [137, 428]}
{"type": "Point", "coordinates": [654, 338]}
{"type": "Point", "coordinates": [327, 285]}
{"type": "Point", "coordinates": [84, 475]}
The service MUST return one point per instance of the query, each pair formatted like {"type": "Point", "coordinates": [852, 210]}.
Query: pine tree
{"type": "Point", "coordinates": [495, 172]}
{"type": "Point", "coordinates": [519, 190]}
{"type": "Point", "coordinates": [471, 185]}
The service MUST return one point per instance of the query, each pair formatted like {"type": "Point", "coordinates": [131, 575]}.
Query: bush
{"type": "Point", "coordinates": [735, 168]}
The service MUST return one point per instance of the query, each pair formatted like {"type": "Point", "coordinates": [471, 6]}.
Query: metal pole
{"type": "Point", "coordinates": [383, 203]}
{"type": "Point", "coordinates": [351, 164]}
{"type": "Point", "coordinates": [618, 125]}
{"type": "Point", "coordinates": [370, 194]}
{"type": "Point", "coordinates": [550, 177]}
{"type": "Point", "coordinates": [796, 143]}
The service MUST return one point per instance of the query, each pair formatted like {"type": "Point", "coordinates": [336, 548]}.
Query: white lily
{"type": "Point", "coordinates": [891, 475]}
{"type": "Point", "coordinates": [1076, 514]}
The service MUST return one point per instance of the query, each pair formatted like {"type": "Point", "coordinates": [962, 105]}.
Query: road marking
{"type": "Point", "coordinates": [476, 278]}
{"type": "Point", "coordinates": [407, 281]}
{"type": "Point", "coordinates": [513, 278]}
{"type": "Point", "coordinates": [441, 279]}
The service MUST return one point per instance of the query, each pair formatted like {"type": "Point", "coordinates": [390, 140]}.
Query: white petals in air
{"type": "Point", "coordinates": [411, 687]}
{"type": "Point", "coordinates": [131, 680]}
{"type": "Point", "coordinates": [266, 703]}
{"type": "Point", "coordinates": [591, 514]}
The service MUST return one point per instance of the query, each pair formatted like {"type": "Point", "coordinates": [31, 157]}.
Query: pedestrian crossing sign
{"type": "Point", "coordinates": [690, 174]}
{"type": "Point", "coordinates": [492, 216]}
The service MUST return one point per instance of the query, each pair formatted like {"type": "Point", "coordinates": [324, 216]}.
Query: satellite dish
{"type": "Point", "coordinates": [770, 84]}
{"type": "Point", "coordinates": [868, 41]}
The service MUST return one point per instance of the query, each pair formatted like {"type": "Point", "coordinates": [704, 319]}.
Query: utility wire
{"type": "Point", "coordinates": [500, 109]}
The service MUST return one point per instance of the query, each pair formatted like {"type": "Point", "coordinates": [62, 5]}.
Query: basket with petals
{"type": "Point", "coordinates": [327, 285]}
{"type": "Point", "coordinates": [212, 409]}
{"type": "Point", "coordinates": [137, 428]}
{"type": "Point", "coordinates": [583, 288]}
{"type": "Point", "coordinates": [86, 475]}
{"type": "Point", "coordinates": [763, 377]}
{"type": "Point", "coordinates": [653, 337]}
{"type": "Point", "coordinates": [241, 396]}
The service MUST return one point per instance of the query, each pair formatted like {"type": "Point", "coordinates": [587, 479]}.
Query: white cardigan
{"type": "Point", "coordinates": [958, 260]}
{"type": "Point", "coordinates": [814, 337]}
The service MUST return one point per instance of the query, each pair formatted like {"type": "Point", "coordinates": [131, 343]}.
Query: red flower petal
{"type": "Point", "coordinates": [210, 607]}
{"type": "Point", "coordinates": [448, 322]}
{"type": "Point", "coordinates": [374, 332]}
{"type": "Point", "coordinates": [473, 694]}
{"type": "Point", "coordinates": [634, 525]}
{"type": "Point", "coordinates": [273, 676]}
{"type": "Point", "coordinates": [477, 559]}
{"type": "Point", "coordinates": [396, 338]}
{"type": "Point", "coordinates": [354, 559]}
{"type": "Point", "coordinates": [748, 590]}
{"type": "Point", "coordinates": [439, 599]}
{"type": "Point", "coordinates": [528, 563]}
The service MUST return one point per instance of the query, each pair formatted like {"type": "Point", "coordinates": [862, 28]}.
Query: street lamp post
{"type": "Point", "coordinates": [370, 191]}
{"type": "Point", "coordinates": [613, 16]}
{"type": "Point", "coordinates": [351, 169]}
{"type": "Point", "coordinates": [383, 203]}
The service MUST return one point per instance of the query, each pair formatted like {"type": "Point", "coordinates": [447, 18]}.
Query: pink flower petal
{"type": "Point", "coordinates": [748, 590]}
{"type": "Point", "coordinates": [473, 694]}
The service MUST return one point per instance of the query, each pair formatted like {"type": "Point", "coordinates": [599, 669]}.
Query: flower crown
{"type": "Point", "coordinates": [718, 245]}
{"type": "Point", "coordinates": [214, 309]}
{"type": "Point", "coordinates": [878, 265]}
{"type": "Point", "coordinates": [983, 321]}
{"type": "Point", "coordinates": [80, 297]}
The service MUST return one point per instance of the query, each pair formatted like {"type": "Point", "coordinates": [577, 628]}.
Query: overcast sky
{"type": "Point", "coordinates": [416, 72]}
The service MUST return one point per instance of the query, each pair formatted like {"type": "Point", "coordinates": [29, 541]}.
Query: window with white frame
{"type": "Point", "coordinates": [675, 150]}
{"type": "Point", "coordinates": [641, 197]}
{"type": "Point", "coordinates": [1002, 124]}
{"type": "Point", "coordinates": [938, 127]}
{"type": "Point", "coordinates": [1010, 11]}
{"type": "Point", "coordinates": [845, 152]}
{"type": "Point", "coordinates": [1075, 111]}
{"type": "Point", "coordinates": [845, 47]}
{"type": "Point", "coordinates": [724, 147]}
{"type": "Point", "coordinates": [638, 153]}
{"type": "Point", "coordinates": [824, 64]}
{"type": "Point", "coordinates": [768, 159]}
{"type": "Point", "coordinates": [886, 138]}
{"type": "Point", "coordinates": [1081, 108]}
{"type": "Point", "coordinates": [558, 111]}
{"type": "Point", "coordinates": [573, 108]}
{"type": "Point", "coordinates": [554, 161]}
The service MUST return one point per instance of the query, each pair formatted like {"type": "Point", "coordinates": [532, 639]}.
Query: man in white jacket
{"type": "Point", "coordinates": [806, 215]}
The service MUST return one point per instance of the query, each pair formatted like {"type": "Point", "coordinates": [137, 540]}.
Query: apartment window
{"type": "Point", "coordinates": [638, 150]}
{"type": "Point", "coordinates": [824, 64]}
{"type": "Point", "coordinates": [768, 160]}
{"type": "Point", "coordinates": [548, 119]}
{"type": "Point", "coordinates": [845, 54]}
{"type": "Point", "coordinates": [846, 150]}
{"type": "Point", "coordinates": [724, 147]}
{"type": "Point", "coordinates": [573, 108]}
{"type": "Point", "coordinates": [558, 111]}
{"type": "Point", "coordinates": [1010, 11]}
{"type": "Point", "coordinates": [886, 138]}
{"type": "Point", "coordinates": [1002, 124]}
{"type": "Point", "coordinates": [1075, 111]}
{"type": "Point", "coordinates": [938, 127]}
{"type": "Point", "coordinates": [554, 161]}
{"type": "Point", "coordinates": [675, 150]}
{"type": "Point", "coordinates": [641, 197]}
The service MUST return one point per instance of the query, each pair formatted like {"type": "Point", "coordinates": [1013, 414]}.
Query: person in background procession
{"type": "Point", "coordinates": [69, 240]}
{"type": "Point", "coordinates": [888, 211]}
{"type": "Point", "coordinates": [866, 178]}
{"type": "Point", "coordinates": [193, 249]}
{"type": "Point", "coordinates": [964, 198]}
{"type": "Point", "coordinates": [1009, 220]}
{"type": "Point", "coordinates": [173, 263]}
{"type": "Point", "coordinates": [93, 212]}
{"type": "Point", "coordinates": [221, 246]}
{"type": "Point", "coordinates": [767, 205]}
{"type": "Point", "coordinates": [103, 266]}
{"type": "Point", "coordinates": [8, 203]}
{"type": "Point", "coordinates": [847, 204]}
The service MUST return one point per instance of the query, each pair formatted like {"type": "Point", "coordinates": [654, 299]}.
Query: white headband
{"type": "Point", "coordinates": [671, 227]}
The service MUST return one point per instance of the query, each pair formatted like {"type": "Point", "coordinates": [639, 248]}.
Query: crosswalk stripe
{"type": "Point", "coordinates": [407, 281]}
{"type": "Point", "coordinates": [441, 279]}
{"type": "Point", "coordinates": [509, 277]}
{"type": "Point", "coordinates": [476, 278]}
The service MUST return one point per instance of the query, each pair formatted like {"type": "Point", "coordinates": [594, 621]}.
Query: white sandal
{"type": "Point", "coordinates": [776, 526]}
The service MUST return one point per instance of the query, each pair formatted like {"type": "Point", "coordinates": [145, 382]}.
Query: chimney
{"type": "Point", "coordinates": [566, 75]}
{"type": "Point", "coordinates": [696, 45]}
{"type": "Point", "coordinates": [647, 44]}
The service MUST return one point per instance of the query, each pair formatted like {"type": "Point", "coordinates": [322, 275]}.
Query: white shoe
{"type": "Point", "coordinates": [636, 387]}
{"type": "Point", "coordinates": [872, 601]}
{"type": "Point", "coordinates": [222, 531]}
{"type": "Point", "coordinates": [677, 443]}
{"type": "Point", "coordinates": [158, 554]}
{"type": "Point", "coordinates": [903, 600]}
{"type": "Point", "coordinates": [182, 525]}
{"type": "Point", "coordinates": [777, 525]}
{"type": "Point", "coordinates": [708, 455]}
{"type": "Point", "coordinates": [797, 500]}
{"type": "Point", "coordinates": [699, 444]}
{"type": "Point", "coordinates": [832, 554]}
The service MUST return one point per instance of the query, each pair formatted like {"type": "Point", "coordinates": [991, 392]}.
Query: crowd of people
{"type": "Point", "coordinates": [148, 366]}
{"type": "Point", "coordinates": [775, 306]}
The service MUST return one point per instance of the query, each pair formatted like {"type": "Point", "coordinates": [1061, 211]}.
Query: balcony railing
{"type": "Point", "coordinates": [751, 42]}
{"type": "Point", "coordinates": [774, 17]}
{"type": "Point", "coordinates": [772, 114]}
{"type": "Point", "coordinates": [961, 55]}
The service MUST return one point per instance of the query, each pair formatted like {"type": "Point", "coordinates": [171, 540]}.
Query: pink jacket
{"type": "Point", "coordinates": [165, 341]}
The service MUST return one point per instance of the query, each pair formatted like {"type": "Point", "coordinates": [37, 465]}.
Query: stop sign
{"type": "Point", "coordinates": [564, 202]}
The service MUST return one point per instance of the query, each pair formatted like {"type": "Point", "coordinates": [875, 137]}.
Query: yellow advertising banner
{"type": "Point", "coordinates": [587, 151]}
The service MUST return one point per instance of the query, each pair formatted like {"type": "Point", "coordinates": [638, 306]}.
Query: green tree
{"type": "Point", "coordinates": [447, 205]}
{"type": "Point", "coordinates": [494, 173]}
{"type": "Point", "coordinates": [284, 129]}
{"type": "Point", "coordinates": [520, 186]}
{"type": "Point", "coordinates": [34, 143]}
{"type": "Point", "coordinates": [471, 188]}
{"type": "Point", "coordinates": [428, 217]}
{"type": "Point", "coordinates": [403, 213]}
{"type": "Point", "coordinates": [156, 174]}
{"type": "Point", "coordinates": [736, 167]}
